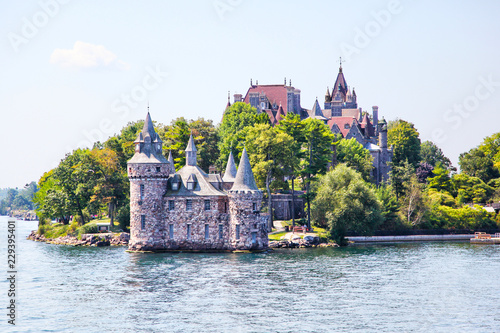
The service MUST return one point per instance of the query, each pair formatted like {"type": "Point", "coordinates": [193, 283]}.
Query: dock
{"type": "Point", "coordinates": [484, 238]}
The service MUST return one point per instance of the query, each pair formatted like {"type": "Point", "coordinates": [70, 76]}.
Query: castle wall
{"type": "Point", "coordinates": [147, 235]}
{"type": "Point", "coordinates": [195, 218]}
{"type": "Point", "coordinates": [245, 217]}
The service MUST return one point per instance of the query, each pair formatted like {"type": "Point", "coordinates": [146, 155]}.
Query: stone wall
{"type": "Point", "coordinates": [197, 218]}
{"type": "Point", "coordinates": [244, 209]}
{"type": "Point", "coordinates": [151, 206]}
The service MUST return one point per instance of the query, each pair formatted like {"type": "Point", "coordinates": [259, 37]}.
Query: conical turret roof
{"type": "Point", "coordinates": [191, 146]}
{"type": "Point", "coordinates": [170, 158]}
{"type": "Point", "coordinates": [244, 180]}
{"type": "Point", "coordinates": [230, 174]}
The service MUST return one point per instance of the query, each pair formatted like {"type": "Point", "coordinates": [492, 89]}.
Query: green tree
{"type": "Point", "coordinates": [432, 154]}
{"type": "Point", "coordinates": [293, 126]}
{"type": "Point", "coordinates": [123, 143]}
{"type": "Point", "coordinates": [441, 180]}
{"type": "Point", "coordinates": [317, 155]}
{"type": "Point", "coordinates": [399, 175]}
{"type": "Point", "coordinates": [236, 118]}
{"type": "Point", "coordinates": [476, 163]}
{"type": "Point", "coordinates": [354, 155]}
{"type": "Point", "coordinates": [268, 150]}
{"type": "Point", "coordinates": [405, 139]}
{"type": "Point", "coordinates": [389, 207]}
{"type": "Point", "coordinates": [345, 202]}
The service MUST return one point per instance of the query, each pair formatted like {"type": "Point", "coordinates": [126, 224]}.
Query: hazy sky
{"type": "Point", "coordinates": [73, 72]}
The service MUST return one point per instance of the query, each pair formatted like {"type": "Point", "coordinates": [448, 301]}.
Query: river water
{"type": "Point", "coordinates": [418, 287]}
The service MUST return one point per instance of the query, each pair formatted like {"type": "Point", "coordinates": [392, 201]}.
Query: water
{"type": "Point", "coordinates": [427, 287]}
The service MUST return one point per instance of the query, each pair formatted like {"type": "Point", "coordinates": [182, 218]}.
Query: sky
{"type": "Point", "coordinates": [74, 72]}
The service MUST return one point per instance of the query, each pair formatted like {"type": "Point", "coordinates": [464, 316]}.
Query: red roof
{"type": "Point", "coordinates": [341, 122]}
{"type": "Point", "coordinates": [275, 93]}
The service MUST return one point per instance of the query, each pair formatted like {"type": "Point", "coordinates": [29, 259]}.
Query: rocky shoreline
{"type": "Point", "coordinates": [104, 239]}
{"type": "Point", "coordinates": [296, 241]}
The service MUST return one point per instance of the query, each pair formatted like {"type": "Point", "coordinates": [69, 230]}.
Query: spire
{"type": "Point", "coordinates": [148, 145]}
{"type": "Point", "coordinates": [191, 152]}
{"type": "Point", "coordinates": [170, 158]}
{"type": "Point", "coordinates": [149, 129]}
{"type": "Point", "coordinates": [228, 100]}
{"type": "Point", "coordinates": [316, 111]}
{"type": "Point", "coordinates": [244, 180]}
{"type": "Point", "coordinates": [231, 171]}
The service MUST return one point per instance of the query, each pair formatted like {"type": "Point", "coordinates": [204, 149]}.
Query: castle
{"type": "Point", "coordinates": [340, 112]}
{"type": "Point", "coordinates": [190, 210]}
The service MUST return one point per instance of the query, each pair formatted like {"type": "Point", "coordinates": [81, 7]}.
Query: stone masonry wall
{"type": "Point", "coordinates": [242, 213]}
{"type": "Point", "coordinates": [153, 176]}
{"type": "Point", "coordinates": [197, 218]}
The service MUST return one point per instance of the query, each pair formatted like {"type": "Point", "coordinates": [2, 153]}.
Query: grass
{"type": "Point", "coordinates": [55, 230]}
{"type": "Point", "coordinates": [277, 236]}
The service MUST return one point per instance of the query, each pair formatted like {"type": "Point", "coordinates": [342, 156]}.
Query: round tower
{"type": "Point", "coordinates": [247, 227]}
{"type": "Point", "coordinates": [148, 172]}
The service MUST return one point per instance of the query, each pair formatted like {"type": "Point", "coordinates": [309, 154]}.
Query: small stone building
{"type": "Point", "coordinates": [190, 210]}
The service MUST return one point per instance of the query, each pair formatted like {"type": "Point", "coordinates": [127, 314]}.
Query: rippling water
{"type": "Point", "coordinates": [432, 287]}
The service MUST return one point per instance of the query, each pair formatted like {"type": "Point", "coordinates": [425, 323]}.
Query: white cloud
{"type": "Point", "coordinates": [86, 56]}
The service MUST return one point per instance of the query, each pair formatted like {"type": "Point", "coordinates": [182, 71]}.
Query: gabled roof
{"type": "Point", "coordinates": [231, 170]}
{"type": "Point", "coordinates": [280, 114]}
{"type": "Point", "coordinates": [341, 123]}
{"type": "Point", "coordinates": [244, 180]}
{"type": "Point", "coordinates": [202, 186]}
{"type": "Point", "coordinates": [367, 126]}
{"type": "Point", "coordinates": [275, 93]}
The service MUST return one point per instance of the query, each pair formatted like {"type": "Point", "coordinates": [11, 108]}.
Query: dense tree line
{"type": "Point", "coordinates": [13, 199]}
{"type": "Point", "coordinates": [423, 191]}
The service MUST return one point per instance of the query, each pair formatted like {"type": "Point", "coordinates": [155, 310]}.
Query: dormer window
{"type": "Point", "coordinates": [347, 126]}
{"type": "Point", "coordinates": [191, 182]}
{"type": "Point", "coordinates": [175, 182]}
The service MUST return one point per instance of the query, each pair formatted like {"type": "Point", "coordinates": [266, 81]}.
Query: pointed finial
{"type": "Point", "coordinates": [257, 82]}
{"type": "Point", "coordinates": [340, 61]}
{"type": "Point", "coordinates": [284, 82]}
{"type": "Point", "coordinates": [251, 82]}
{"type": "Point", "coordinates": [290, 82]}
{"type": "Point", "coordinates": [228, 95]}
{"type": "Point", "coordinates": [148, 106]}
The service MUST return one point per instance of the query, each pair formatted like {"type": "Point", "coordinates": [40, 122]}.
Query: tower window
{"type": "Point", "coordinates": [254, 237]}
{"type": "Point", "coordinates": [189, 231]}
{"type": "Point", "coordinates": [207, 233]}
{"type": "Point", "coordinates": [221, 231]}
{"type": "Point", "coordinates": [171, 231]}
{"type": "Point", "coordinates": [189, 205]}
{"type": "Point", "coordinates": [207, 204]}
{"type": "Point", "coordinates": [171, 205]}
{"type": "Point", "coordinates": [225, 207]}
{"type": "Point", "coordinates": [158, 169]}
{"type": "Point", "coordinates": [237, 231]}
{"type": "Point", "coordinates": [254, 206]}
{"type": "Point", "coordinates": [143, 222]}
{"type": "Point", "coordinates": [142, 191]}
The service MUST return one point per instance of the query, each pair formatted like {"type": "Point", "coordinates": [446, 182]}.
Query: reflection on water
{"type": "Point", "coordinates": [435, 287]}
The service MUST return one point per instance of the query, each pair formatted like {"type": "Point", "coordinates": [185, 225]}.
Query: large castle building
{"type": "Point", "coordinates": [340, 112]}
{"type": "Point", "coordinates": [190, 210]}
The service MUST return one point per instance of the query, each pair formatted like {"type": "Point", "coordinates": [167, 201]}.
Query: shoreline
{"type": "Point", "coordinates": [409, 238]}
{"type": "Point", "coordinates": [99, 240]}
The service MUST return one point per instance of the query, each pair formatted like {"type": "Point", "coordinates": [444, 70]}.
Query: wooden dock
{"type": "Point", "coordinates": [484, 238]}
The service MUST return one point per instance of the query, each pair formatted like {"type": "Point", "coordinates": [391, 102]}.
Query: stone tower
{"type": "Point", "coordinates": [148, 172]}
{"type": "Point", "coordinates": [247, 228]}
